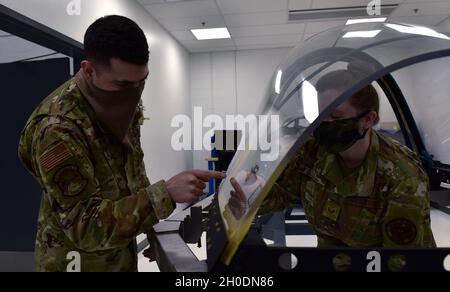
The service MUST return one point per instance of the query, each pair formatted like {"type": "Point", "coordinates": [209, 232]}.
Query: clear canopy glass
{"type": "Point", "coordinates": [418, 57]}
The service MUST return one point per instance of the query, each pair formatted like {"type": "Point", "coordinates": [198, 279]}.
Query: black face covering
{"type": "Point", "coordinates": [115, 109]}
{"type": "Point", "coordinates": [339, 135]}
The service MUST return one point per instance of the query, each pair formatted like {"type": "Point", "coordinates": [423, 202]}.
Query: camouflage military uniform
{"type": "Point", "coordinates": [384, 202]}
{"type": "Point", "coordinates": [96, 195]}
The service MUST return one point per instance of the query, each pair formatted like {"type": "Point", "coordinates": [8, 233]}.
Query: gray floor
{"type": "Point", "coordinates": [16, 262]}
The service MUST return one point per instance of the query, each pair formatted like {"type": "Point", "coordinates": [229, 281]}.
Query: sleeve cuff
{"type": "Point", "coordinates": [160, 199]}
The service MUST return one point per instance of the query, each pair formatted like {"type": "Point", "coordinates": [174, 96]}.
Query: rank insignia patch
{"type": "Point", "coordinates": [331, 210]}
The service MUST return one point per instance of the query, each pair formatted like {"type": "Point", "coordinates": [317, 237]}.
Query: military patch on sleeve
{"type": "Point", "coordinates": [401, 231]}
{"type": "Point", "coordinates": [54, 156]}
{"type": "Point", "coordinates": [70, 181]}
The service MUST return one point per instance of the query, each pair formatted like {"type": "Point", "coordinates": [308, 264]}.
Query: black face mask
{"type": "Point", "coordinates": [338, 136]}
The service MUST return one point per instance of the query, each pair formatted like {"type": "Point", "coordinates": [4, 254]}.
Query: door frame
{"type": "Point", "coordinates": [33, 31]}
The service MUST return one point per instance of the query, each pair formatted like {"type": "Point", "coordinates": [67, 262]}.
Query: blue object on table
{"type": "Point", "coordinates": [389, 131]}
{"type": "Point", "coordinates": [211, 166]}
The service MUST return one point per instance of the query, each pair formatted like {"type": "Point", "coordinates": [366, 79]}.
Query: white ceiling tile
{"type": "Point", "coordinates": [249, 31]}
{"type": "Point", "coordinates": [212, 49]}
{"type": "Point", "coordinates": [306, 36]}
{"type": "Point", "coordinates": [208, 43]}
{"type": "Point", "coordinates": [445, 25]}
{"type": "Point", "coordinates": [315, 27]}
{"type": "Point", "coordinates": [299, 4]}
{"type": "Point", "coordinates": [233, 20]}
{"type": "Point", "coordinates": [146, 2]}
{"type": "Point", "coordinates": [427, 1]}
{"type": "Point", "coordinates": [192, 23]}
{"type": "Point", "coordinates": [273, 39]}
{"type": "Point", "coordinates": [267, 46]}
{"type": "Point", "coordinates": [183, 35]}
{"type": "Point", "coordinates": [424, 8]}
{"type": "Point", "coordinates": [420, 20]}
{"type": "Point", "coordinates": [184, 9]}
{"type": "Point", "coordinates": [251, 6]}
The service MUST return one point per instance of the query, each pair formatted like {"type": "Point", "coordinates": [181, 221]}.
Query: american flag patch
{"type": "Point", "coordinates": [54, 157]}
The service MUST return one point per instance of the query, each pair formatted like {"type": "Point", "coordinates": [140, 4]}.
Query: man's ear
{"type": "Point", "coordinates": [371, 119]}
{"type": "Point", "coordinates": [88, 69]}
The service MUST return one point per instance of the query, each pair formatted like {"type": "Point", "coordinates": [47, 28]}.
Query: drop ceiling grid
{"type": "Point", "coordinates": [264, 23]}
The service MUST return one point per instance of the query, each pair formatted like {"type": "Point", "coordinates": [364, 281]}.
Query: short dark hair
{"type": "Point", "coordinates": [366, 99]}
{"type": "Point", "coordinates": [116, 37]}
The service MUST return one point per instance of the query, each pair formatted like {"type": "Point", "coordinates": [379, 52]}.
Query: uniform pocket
{"type": "Point", "coordinates": [312, 189]}
{"type": "Point", "coordinates": [360, 220]}
{"type": "Point", "coordinates": [106, 170]}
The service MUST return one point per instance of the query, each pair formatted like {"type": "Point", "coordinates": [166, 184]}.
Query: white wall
{"type": "Point", "coordinates": [167, 92]}
{"type": "Point", "coordinates": [428, 98]}
{"type": "Point", "coordinates": [231, 83]}
{"type": "Point", "coordinates": [386, 113]}
{"type": "Point", "coordinates": [14, 49]}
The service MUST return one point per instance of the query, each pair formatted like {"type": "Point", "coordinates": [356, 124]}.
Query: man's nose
{"type": "Point", "coordinates": [135, 85]}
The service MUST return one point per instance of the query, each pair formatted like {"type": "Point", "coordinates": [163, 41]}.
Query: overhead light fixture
{"type": "Point", "coordinates": [278, 82]}
{"type": "Point", "coordinates": [366, 20]}
{"type": "Point", "coordinates": [418, 30]}
{"type": "Point", "coordinates": [310, 101]}
{"type": "Point", "coordinates": [337, 13]}
{"type": "Point", "coordinates": [211, 33]}
{"type": "Point", "coordinates": [361, 34]}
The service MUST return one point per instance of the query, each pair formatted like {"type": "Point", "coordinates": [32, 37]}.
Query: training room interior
{"type": "Point", "coordinates": [226, 76]}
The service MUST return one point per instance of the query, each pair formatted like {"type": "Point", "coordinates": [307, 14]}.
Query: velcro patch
{"type": "Point", "coordinates": [331, 210]}
{"type": "Point", "coordinates": [70, 181]}
{"type": "Point", "coordinates": [401, 231]}
{"type": "Point", "coordinates": [54, 156]}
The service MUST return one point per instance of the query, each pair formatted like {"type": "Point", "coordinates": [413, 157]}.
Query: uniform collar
{"type": "Point", "coordinates": [361, 180]}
